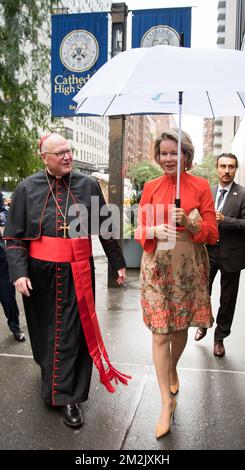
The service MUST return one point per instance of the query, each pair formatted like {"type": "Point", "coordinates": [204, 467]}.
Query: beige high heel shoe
{"type": "Point", "coordinates": [163, 430]}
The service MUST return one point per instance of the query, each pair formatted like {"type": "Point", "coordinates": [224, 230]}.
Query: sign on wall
{"type": "Point", "coordinates": [79, 47]}
{"type": "Point", "coordinates": [161, 26]}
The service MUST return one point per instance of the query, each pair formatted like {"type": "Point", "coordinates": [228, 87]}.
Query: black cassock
{"type": "Point", "coordinates": [34, 213]}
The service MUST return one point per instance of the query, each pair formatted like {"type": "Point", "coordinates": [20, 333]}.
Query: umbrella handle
{"type": "Point", "coordinates": [179, 144]}
{"type": "Point", "coordinates": [177, 204]}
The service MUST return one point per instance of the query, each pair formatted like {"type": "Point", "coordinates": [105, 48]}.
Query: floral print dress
{"type": "Point", "coordinates": [174, 288]}
{"type": "Point", "coordinates": [174, 282]}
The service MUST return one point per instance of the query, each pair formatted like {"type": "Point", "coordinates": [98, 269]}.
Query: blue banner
{"type": "Point", "coordinates": [79, 47]}
{"type": "Point", "coordinates": [161, 26]}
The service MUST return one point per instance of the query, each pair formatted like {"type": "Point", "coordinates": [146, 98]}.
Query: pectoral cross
{"type": "Point", "coordinates": [64, 227]}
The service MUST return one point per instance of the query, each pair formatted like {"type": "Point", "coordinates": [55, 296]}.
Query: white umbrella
{"type": "Point", "coordinates": [154, 80]}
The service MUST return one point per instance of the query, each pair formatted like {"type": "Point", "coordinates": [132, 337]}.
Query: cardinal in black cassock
{"type": "Point", "coordinates": [50, 261]}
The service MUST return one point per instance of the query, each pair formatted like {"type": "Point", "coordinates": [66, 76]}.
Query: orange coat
{"type": "Point", "coordinates": [195, 193]}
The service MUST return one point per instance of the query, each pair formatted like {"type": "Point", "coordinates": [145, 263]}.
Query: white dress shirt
{"type": "Point", "coordinates": [220, 188]}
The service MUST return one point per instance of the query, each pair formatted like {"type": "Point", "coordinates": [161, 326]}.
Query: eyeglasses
{"type": "Point", "coordinates": [61, 155]}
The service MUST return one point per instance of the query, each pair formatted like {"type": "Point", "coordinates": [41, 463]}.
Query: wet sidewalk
{"type": "Point", "coordinates": [210, 411]}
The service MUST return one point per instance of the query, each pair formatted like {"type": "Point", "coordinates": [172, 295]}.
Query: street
{"type": "Point", "coordinates": [210, 411]}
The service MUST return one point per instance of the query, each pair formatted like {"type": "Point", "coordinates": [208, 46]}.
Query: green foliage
{"type": "Point", "coordinates": [128, 231]}
{"type": "Point", "coordinates": [24, 59]}
{"type": "Point", "coordinates": [130, 211]}
{"type": "Point", "coordinates": [142, 172]}
{"type": "Point", "coordinates": [207, 169]}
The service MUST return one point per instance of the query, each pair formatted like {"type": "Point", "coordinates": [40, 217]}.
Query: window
{"type": "Point", "coordinates": [221, 16]}
{"type": "Point", "coordinates": [221, 28]}
{"type": "Point", "coordinates": [221, 40]}
{"type": "Point", "coordinates": [67, 133]}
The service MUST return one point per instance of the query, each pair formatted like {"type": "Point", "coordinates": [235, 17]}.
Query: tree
{"type": "Point", "coordinates": [142, 172]}
{"type": "Point", "coordinates": [207, 169]}
{"type": "Point", "coordinates": [24, 58]}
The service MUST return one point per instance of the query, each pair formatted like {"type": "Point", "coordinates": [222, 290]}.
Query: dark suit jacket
{"type": "Point", "coordinates": [232, 230]}
{"type": "Point", "coordinates": [3, 214]}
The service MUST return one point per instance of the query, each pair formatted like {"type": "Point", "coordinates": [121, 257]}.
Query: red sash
{"type": "Point", "coordinates": [77, 252]}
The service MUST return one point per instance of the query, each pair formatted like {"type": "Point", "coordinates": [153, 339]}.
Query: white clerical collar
{"type": "Point", "coordinates": [50, 173]}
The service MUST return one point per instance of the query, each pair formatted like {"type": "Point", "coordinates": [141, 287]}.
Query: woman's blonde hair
{"type": "Point", "coordinates": [186, 145]}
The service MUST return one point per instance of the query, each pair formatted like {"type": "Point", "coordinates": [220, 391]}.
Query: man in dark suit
{"type": "Point", "coordinates": [7, 290]}
{"type": "Point", "coordinates": [228, 255]}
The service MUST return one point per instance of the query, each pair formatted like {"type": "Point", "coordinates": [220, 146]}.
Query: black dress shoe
{"type": "Point", "coordinates": [19, 336]}
{"type": "Point", "coordinates": [200, 333]}
{"type": "Point", "coordinates": [72, 415]}
{"type": "Point", "coordinates": [219, 349]}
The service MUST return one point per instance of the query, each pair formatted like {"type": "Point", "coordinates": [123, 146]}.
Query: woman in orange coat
{"type": "Point", "coordinates": [175, 265]}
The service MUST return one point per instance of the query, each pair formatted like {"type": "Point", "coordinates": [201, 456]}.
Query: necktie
{"type": "Point", "coordinates": [221, 197]}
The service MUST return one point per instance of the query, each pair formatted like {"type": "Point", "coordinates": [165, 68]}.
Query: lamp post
{"type": "Point", "coordinates": [119, 13]}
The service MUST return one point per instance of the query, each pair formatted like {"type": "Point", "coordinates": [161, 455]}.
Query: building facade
{"type": "Point", "coordinates": [230, 35]}
{"type": "Point", "coordinates": [226, 38]}
{"type": "Point", "coordinates": [90, 135]}
{"type": "Point", "coordinates": [208, 136]}
{"type": "Point", "coordinates": [230, 32]}
{"type": "Point", "coordinates": [140, 134]}
{"type": "Point", "coordinates": [238, 143]}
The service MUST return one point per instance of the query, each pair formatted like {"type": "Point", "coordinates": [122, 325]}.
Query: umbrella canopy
{"type": "Point", "coordinates": [155, 80]}
{"type": "Point", "coordinates": [148, 80]}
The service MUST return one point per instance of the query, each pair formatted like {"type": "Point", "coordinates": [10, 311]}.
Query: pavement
{"type": "Point", "coordinates": [210, 413]}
